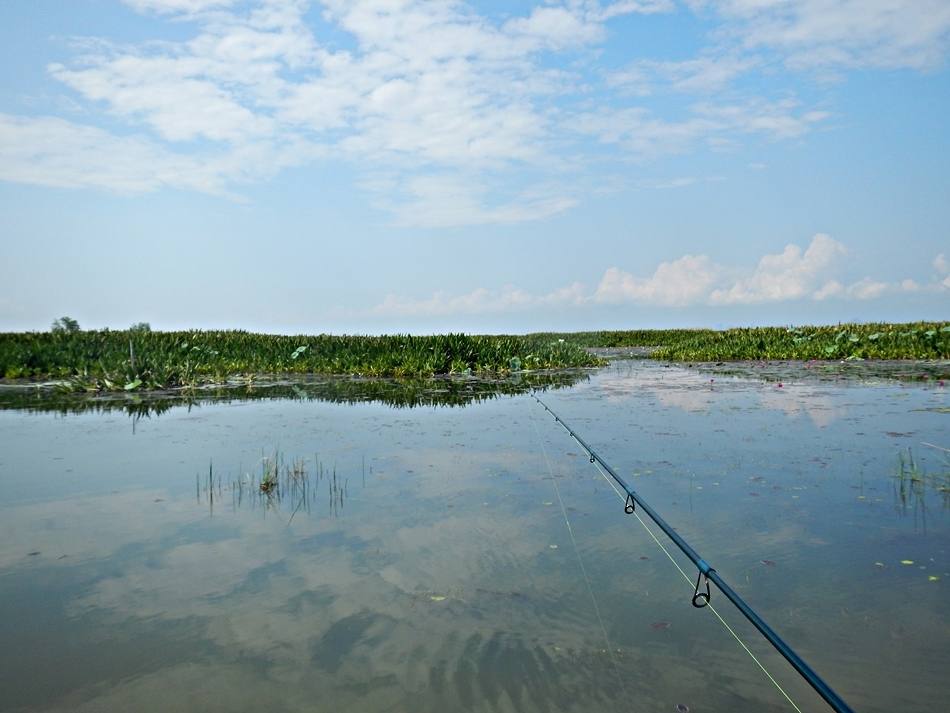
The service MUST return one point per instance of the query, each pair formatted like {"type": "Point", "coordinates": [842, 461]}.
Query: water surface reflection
{"type": "Point", "coordinates": [436, 570]}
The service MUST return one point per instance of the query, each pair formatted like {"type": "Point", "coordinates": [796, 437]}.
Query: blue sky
{"type": "Point", "coordinates": [386, 165]}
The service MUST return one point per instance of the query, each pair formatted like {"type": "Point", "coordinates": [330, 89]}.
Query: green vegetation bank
{"type": "Point", "coordinates": [139, 358]}
{"type": "Point", "coordinates": [914, 340]}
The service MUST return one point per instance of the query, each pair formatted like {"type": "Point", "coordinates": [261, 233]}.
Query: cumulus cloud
{"type": "Point", "coordinates": [791, 274]}
{"type": "Point", "coordinates": [942, 266]}
{"type": "Point", "coordinates": [680, 282]}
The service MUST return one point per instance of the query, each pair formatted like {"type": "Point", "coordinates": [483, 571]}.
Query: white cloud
{"type": "Point", "coordinates": [555, 27]}
{"type": "Point", "coordinates": [445, 200]}
{"type": "Point", "coordinates": [832, 288]}
{"type": "Point", "coordinates": [941, 264]}
{"type": "Point", "coordinates": [702, 75]}
{"type": "Point", "coordinates": [48, 151]}
{"type": "Point", "coordinates": [867, 289]}
{"type": "Point", "coordinates": [425, 90]}
{"type": "Point", "coordinates": [478, 301]}
{"type": "Point", "coordinates": [680, 282]}
{"type": "Point", "coordinates": [644, 135]}
{"type": "Point", "coordinates": [177, 6]}
{"type": "Point", "coordinates": [789, 275]}
{"type": "Point", "coordinates": [842, 33]}
{"type": "Point", "coordinates": [427, 86]}
{"type": "Point", "coordinates": [178, 107]}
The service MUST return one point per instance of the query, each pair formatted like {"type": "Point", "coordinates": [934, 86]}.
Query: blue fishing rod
{"type": "Point", "coordinates": [701, 598]}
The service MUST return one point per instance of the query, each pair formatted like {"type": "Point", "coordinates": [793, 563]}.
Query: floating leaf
{"type": "Point", "coordinates": [907, 561]}
{"type": "Point", "coordinates": [553, 547]}
{"type": "Point", "coordinates": [933, 578]}
{"type": "Point", "coordinates": [879, 564]}
{"type": "Point", "coordinates": [437, 598]}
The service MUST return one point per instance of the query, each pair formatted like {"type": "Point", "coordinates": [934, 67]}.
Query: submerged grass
{"type": "Point", "coordinates": [130, 360]}
{"type": "Point", "coordinates": [911, 480]}
{"type": "Point", "coordinates": [293, 486]}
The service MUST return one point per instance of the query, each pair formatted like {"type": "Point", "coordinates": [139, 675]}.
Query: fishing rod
{"type": "Point", "coordinates": [701, 598]}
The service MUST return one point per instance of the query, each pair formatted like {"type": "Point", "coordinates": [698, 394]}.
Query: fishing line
{"type": "Point", "coordinates": [702, 599]}
{"type": "Point", "coordinates": [709, 605]}
{"type": "Point", "coordinates": [580, 561]}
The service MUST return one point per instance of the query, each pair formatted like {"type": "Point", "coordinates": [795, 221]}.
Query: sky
{"type": "Point", "coordinates": [371, 166]}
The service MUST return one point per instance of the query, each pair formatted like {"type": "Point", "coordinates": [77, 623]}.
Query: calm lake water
{"type": "Point", "coordinates": [469, 557]}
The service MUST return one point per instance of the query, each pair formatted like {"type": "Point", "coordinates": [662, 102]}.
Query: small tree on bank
{"type": "Point", "coordinates": [64, 325]}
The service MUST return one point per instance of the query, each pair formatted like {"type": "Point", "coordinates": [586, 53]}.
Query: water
{"type": "Point", "coordinates": [422, 560]}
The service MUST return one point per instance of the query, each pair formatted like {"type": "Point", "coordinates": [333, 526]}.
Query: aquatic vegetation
{"type": "Point", "coordinates": [911, 482]}
{"type": "Point", "coordinates": [449, 391]}
{"type": "Point", "coordinates": [138, 359]}
{"type": "Point", "coordinates": [917, 340]}
{"type": "Point", "coordinates": [920, 340]}
{"type": "Point", "coordinates": [292, 487]}
{"type": "Point", "coordinates": [269, 476]}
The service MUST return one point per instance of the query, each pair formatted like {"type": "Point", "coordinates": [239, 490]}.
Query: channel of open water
{"type": "Point", "coordinates": [447, 547]}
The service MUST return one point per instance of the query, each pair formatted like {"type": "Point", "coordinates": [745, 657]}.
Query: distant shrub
{"type": "Point", "coordinates": [64, 325]}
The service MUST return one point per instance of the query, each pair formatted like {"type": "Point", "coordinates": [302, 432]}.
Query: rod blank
{"type": "Point", "coordinates": [799, 664]}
